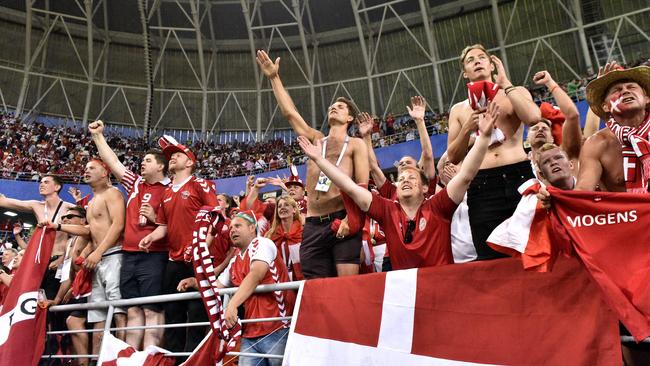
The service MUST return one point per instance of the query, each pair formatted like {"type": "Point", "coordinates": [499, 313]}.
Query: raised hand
{"type": "Point", "coordinates": [418, 107]}
{"type": "Point", "coordinates": [311, 150]}
{"type": "Point", "coordinates": [501, 78]}
{"type": "Point", "coordinates": [18, 228]}
{"type": "Point", "coordinates": [75, 193]}
{"type": "Point", "coordinates": [260, 182]}
{"type": "Point", "coordinates": [610, 66]}
{"type": "Point", "coordinates": [268, 67]}
{"type": "Point", "coordinates": [365, 124]}
{"type": "Point", "coordinates": [543, 78]}
{"type": "Point", "coordinates": [96, 128]}
{"type": "Point", "coordinates": [488, 119]}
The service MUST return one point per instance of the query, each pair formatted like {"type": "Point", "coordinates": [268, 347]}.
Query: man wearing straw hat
{"type": "Point", "coordinates": [617, 158]}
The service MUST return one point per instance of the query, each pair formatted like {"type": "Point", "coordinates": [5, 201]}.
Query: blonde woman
{"type": "Point", "coordinates": [286, 233]}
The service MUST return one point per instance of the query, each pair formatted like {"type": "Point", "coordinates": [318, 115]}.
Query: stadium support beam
{"type": "Point", "coordinates": [46, 25]}
{"type": "Point", "coordinates": [28, 58]}
{"type": "Point", "coordinates": [258, 82]}
{"type": "Point", "coordinates": [107, 42]}
{"type": "Point", "coordinates": [433, 52]}
{"type": "Point", "coordinates": [366, 56]}
{"type": "Point", "coordinates": [213, 47]}
{"type": "Point", "coordinates": [297, 11]}
{"type": "Point", "coordinates": [196, 20]}
{"type": "Point", "coordinates": [499, 33]}
{"type": "Point", "coordinates": [88, 10]}
{"type": "Point", "coordinates": [577, 11]}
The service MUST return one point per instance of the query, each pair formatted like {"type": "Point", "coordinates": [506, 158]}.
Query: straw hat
{"type": "Point", "coordinates": [597, 89]}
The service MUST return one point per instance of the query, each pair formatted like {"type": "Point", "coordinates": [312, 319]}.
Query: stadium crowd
{"type": "Point", "coordinates": [343, 218]}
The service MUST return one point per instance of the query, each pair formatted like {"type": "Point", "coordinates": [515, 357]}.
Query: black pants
{"type": "Point", "coordinates": [190, 311]}
{"type": "Point", "coordinates": [492, 197]}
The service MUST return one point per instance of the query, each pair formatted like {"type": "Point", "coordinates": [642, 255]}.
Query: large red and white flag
{"type": "Point", "coordinates": [610, 233]}
{"type": "Point", "coordinates": [22, 321]}
{"type": "Point", "coordinates": [531, 233]}
{"type": "Point", "coordinates": [481, 313]}
{"type": "Point", "coordinates": [115, 352]}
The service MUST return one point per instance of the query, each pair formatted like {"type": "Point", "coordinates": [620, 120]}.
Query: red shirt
{"type": "Point", "coordinates": [265, 305]}
{"type": "Point", "coordinates": [431, 244]}
{"type": "Point", "coordinates": [178, 211]}
{"type": "Point", "coordinates": [139, 192]}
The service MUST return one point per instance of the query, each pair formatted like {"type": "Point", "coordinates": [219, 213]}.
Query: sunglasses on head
{"type": "Point", "coordinates": [70, 216]}
{"type": "Point", "coordinates": [408, 235]}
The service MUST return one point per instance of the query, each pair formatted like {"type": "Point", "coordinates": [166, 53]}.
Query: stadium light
{"type": "Point", "coordinates": [11, 213]}
{"type": "Point", "coordinates": [27, 225]}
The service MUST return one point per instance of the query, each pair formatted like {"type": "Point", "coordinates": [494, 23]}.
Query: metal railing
{"type": "Point", "coordinates": [111, 305]}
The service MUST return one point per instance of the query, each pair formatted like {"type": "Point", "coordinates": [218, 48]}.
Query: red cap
{"type": "Point", "coordinates": [169, 146]}
{"type": "Point", "coordinates": [294, 178]}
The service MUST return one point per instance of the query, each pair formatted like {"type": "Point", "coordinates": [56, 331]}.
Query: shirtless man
{"type": "Point", "coordinates": [609, 160]}
{"type": "Point", "coordinates": [322, 253]}
{"type": "Point", "coordinates": [50, 209]}
{"type": "Point", "coordinates": [105, 217]}
{"type": "Point", "coordinates": [492, 196]}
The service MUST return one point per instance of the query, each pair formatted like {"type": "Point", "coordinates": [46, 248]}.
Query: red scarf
{"type": "Point", "coordinates": [635, 139]}
{"type": "Point", "coordinates": [285, 241]}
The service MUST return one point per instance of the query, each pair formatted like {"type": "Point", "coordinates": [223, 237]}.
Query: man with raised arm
{"type": "Point", "coordinates": [426, 163]}
{"type": "Point", "coordinates": [417, 229]}
{"type": "Point", "coordinates": [142, 271]}
{"type": "Point", "coordinates": [50, 209]}
{"type": "Point", "coordinates": [617, 158]}
{"type": "Point", "coordinates": [492, 196]}
{"type": "Point", "coordinates": [325, 253]}
{"type": "Point", "coordinates": [539, 133]}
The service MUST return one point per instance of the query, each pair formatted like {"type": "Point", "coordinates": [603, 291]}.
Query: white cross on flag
{"type": "Point", "coordinates": [481, 313]}
{"type": "Point", "coordinates": [115, 352]}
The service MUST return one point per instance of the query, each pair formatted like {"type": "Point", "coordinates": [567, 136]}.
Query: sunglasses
{"type": "Point", "coordinates": [408, 235]}
{"type": "Point", "coordinates": [70, 216]}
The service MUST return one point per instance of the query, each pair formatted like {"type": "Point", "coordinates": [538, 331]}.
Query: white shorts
{"type": "Point", "coordinates": [106, 286]}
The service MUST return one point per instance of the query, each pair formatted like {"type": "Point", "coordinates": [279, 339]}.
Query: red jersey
{"type": "Point", "coordinates": [266, 305]}
{"type": "Point", "coordinates": [178, 211]}
{"type": "Point", "coordinates": [139, 192]}
{"type": "Point", "coordinates": [431, 235]}
{"type": "Point", "coordinates": [389, 190]}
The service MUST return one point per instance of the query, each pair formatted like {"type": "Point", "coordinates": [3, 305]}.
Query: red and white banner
{"type": "Point", "coordinates": [481, 313]}
{"type": "Point", "coordinates": [115, 352]}
{"type": "Point", "coordinates": [610, 233]}
{"type": "Point", "coordinates": [22, 321]}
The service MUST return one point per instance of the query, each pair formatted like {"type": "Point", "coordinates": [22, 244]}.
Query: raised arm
{"type": "Point", "coordinates": [18, 205]}
{"type": "Point", "coordinates": [105, 152]}
{"type": "Point", "coordinates": [591, 168]}
{"type": "Point", "coordinates": [365, 128]}
{"type": "Point", "coordinates": [287, 107]}
{"type": "Point", "coordinates": [571, 133]}
{"type": "Point", "coordinates": [592, 124]}
{"type": "Point", "coordinates": [520, 98]}
{"type": "Point", "coordinates": [362, 197]}
{"type": "Point", "coordinates": [416, 111]}
{"type": "Point", "coordinates": [18, 235]}
{"type": "Point", "coordinates": [457, 186]}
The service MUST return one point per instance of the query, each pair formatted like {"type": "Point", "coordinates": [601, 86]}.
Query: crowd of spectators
{"type": "Point", "coordinates": [29, 150]}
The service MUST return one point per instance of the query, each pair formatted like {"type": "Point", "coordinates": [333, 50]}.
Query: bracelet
{"type": "Point", "coordinates": [553, 88]}
{"type": "Point", "coordinates": [509, 89]}
{"type": "Point", "coordinates": [58, 228]}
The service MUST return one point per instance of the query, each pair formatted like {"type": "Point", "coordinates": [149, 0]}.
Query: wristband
{"type": "Point", "coordinates": [509, 89]}
{"type": "Point", "coordinates": [58, 228]}
{"type": "Point", "coordinates": [553, 88]}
